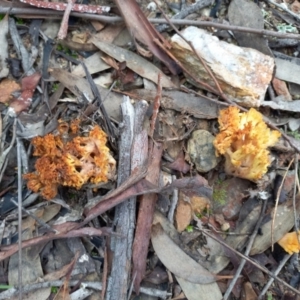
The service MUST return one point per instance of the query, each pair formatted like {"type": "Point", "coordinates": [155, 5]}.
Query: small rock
{"type": "Point", "coordinates": [281, 89]}
{"type": "Point", "coordinates": [225, 226]}
{"type": "Point", "coordinates": [202, 151]}
{"type": "Point", "coordinates": [242, 73]}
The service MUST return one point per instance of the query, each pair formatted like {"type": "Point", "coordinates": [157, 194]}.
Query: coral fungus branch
{"type": "Point", "coordinates": [74, 163]}
{"type": "Point", "coordinates": [243, 140]}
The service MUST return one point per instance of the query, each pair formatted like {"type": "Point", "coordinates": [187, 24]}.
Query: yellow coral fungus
{"type": "Point", "coordinates": [73, 163]}
{"type": "Point", "coordinates": [289, 242]}
{"type": "Point", "coordinates": [243, 140]}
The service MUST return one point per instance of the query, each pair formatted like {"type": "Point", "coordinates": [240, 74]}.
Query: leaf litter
{"type": "Point", "coordinates": [157, 101]}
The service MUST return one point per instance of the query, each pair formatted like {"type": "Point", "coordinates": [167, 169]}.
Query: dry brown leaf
{"type": "Point", "coordinates": [281, 89]}
{"type": "Point", "coordinates": [7, 87]}
{"type": "Point", "coordinates": [22, 103]}
{"type": "Point", "coordinates": [134, 62]}
{"type": "Point", "coordinates": [142, 30]}
{"type": "Point", "coordinates": [248, 292]}
{"type": "Point", "coordinates": [199, 203]}
{"type": "Point", "coordinates": [80, 37]}
{"type": "Point", "coordinates": [179, 164]}
{"type": "Point", "coordinates": [176, 260]}
{"type": "Point", "coordinates": [184, 215]}
{"type": "Point", "coordinates": [110, 61]}
{"type": "Point", "coordinates": [207, 291]}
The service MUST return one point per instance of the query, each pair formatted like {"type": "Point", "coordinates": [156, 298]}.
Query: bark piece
{"type": "Point", "coordinates": [134, 141]}
{"type": "Point", "coordinates": [124, 214]}
{"type": "Point", "coordinates": [196, 106]}
{"type": "Point", "coordinates": [243, 73]}
{"type": "Point", "coordinates": [142, 30]}
{"type": "Point", "coordinates": [145, 218]}
{"type": "Point", "coordinates": [134, 62]}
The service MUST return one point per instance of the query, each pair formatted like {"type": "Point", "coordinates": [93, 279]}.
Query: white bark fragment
{"type": "Point", "coordinates": [242, 73]}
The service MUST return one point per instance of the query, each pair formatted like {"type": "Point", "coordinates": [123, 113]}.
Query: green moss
{"type": "Point", "coordinates": [67, 51]}
{"type": "Point", "coordinates": [55, 87]}
{"type": "Point", "coordinates": [189, 228]}
{"type": "Point", "coordinates": [294, 134]}
{"type": "Point", "coordinates": [20, 21]}
{"type": "Point", "coordinates": [220, 192]}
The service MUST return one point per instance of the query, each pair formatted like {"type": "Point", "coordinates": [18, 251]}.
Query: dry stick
{"type": "Point", "coordinates": [124, 213]}
{"type": "Point", "coordinates": [271, 280]}
{"type": "Point", "coordinates": [147, 203]}
{"type": "Point", "coordinates": [95, 285]}
{"type": "Point", "coordinates": [263, 269]}
{"type": "Point", "coordinates": [185, 12]}
{"type": "Point", "coordinates": [162, 46]}
{"type": "Point", "coordinates": [115, 19]}
{"type": "Point", "coordinates": [145, 216]}
{"type": "Point", "coordinates": [221, 93]}
{"type": "Point", "coordinates": [294, 198]}
{"type": "Point", "coordinates": [248, 249]}
{"type": "Point", "coordinates": [156, 106]}
{"type": "Point", "coordinates": [284, 9]}
{"type": "Point", "coordinates": [96, 9]}
{"type": "Point", "coordinates": [63, 30]}
{"type": "Point", "coordinates": [105, 272]}
{"type": "Point", "coordinates": [46, 13]}
{"type": "Point", "coordinates": [38, 220]}
{"type": "Point", "coordinates": [276, 204]}
{"type": "Point", "coordinates": [174, 201]}
{"type": "Point", "coordinates": [19, 216]}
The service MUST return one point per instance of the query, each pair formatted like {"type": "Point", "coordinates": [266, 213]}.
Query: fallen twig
{"type": "Point", "coordinates": [63, 30]}
{"type": "Point", "coordinates": [143, 31]}
{"type": "Point", "coordinates": [38, 220]}
{"type": "Point", "coordinates": [20, 198]}
{"type": "Point", "coordinates": [296, 159]}
{"type": "Point", "coordinates": [87, 284]}
{"type": "Point", "coordinates": [276, 272]}
{"type": "Point", "coordinates": [92, 9]}
{"type": "Point", "coordinates": [276, 204]}
{"type": "Point", "coordinates": [124, 218]}
{"type": "Point", "coordinates": [185, 12]}
{"type": "Point", "coordinates": [263, 269]}
{"type": "Point", "coordinates": [221, 93]}
{"type": "Point", "coordinates": [248, 249]}
{"type": "Point", "coordinates": [47, 13]}
{"type": "Point", "coordinates": [145, 216]}
{"type": "Point", "coordinates": [283, 7]}
{"type": "Point", "coordinates": [7, 251]}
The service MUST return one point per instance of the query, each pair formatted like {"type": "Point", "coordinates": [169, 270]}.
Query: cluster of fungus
{"type": "Point", "coordinates": [243, 140]}
{"type": "Point", "coordinates": [71, 160]}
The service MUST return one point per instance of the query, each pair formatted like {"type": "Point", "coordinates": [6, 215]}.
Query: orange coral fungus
{"type": "Point", "coordinates": [289, 242]}
{"type": "Point", "coordinates": [72, 163]}
{"type": "Point", "coordinates": [243, 140]}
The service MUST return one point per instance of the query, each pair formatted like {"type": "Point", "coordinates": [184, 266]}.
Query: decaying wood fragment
{"type": "Point", "coordinates": [143, 31]}
{"type": "Point", "coordinates": [63, 31]}
{"type": "Point", "coordinates": [92, 9]}
{"type": "Point", "coordinates": [124, 219]}
{"type": "Point", "coordinates": [148, 202]}
{"type": "Point", "coordinates": [124, 213]}
{"type": "Point", "coordinates": [145, 217]}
